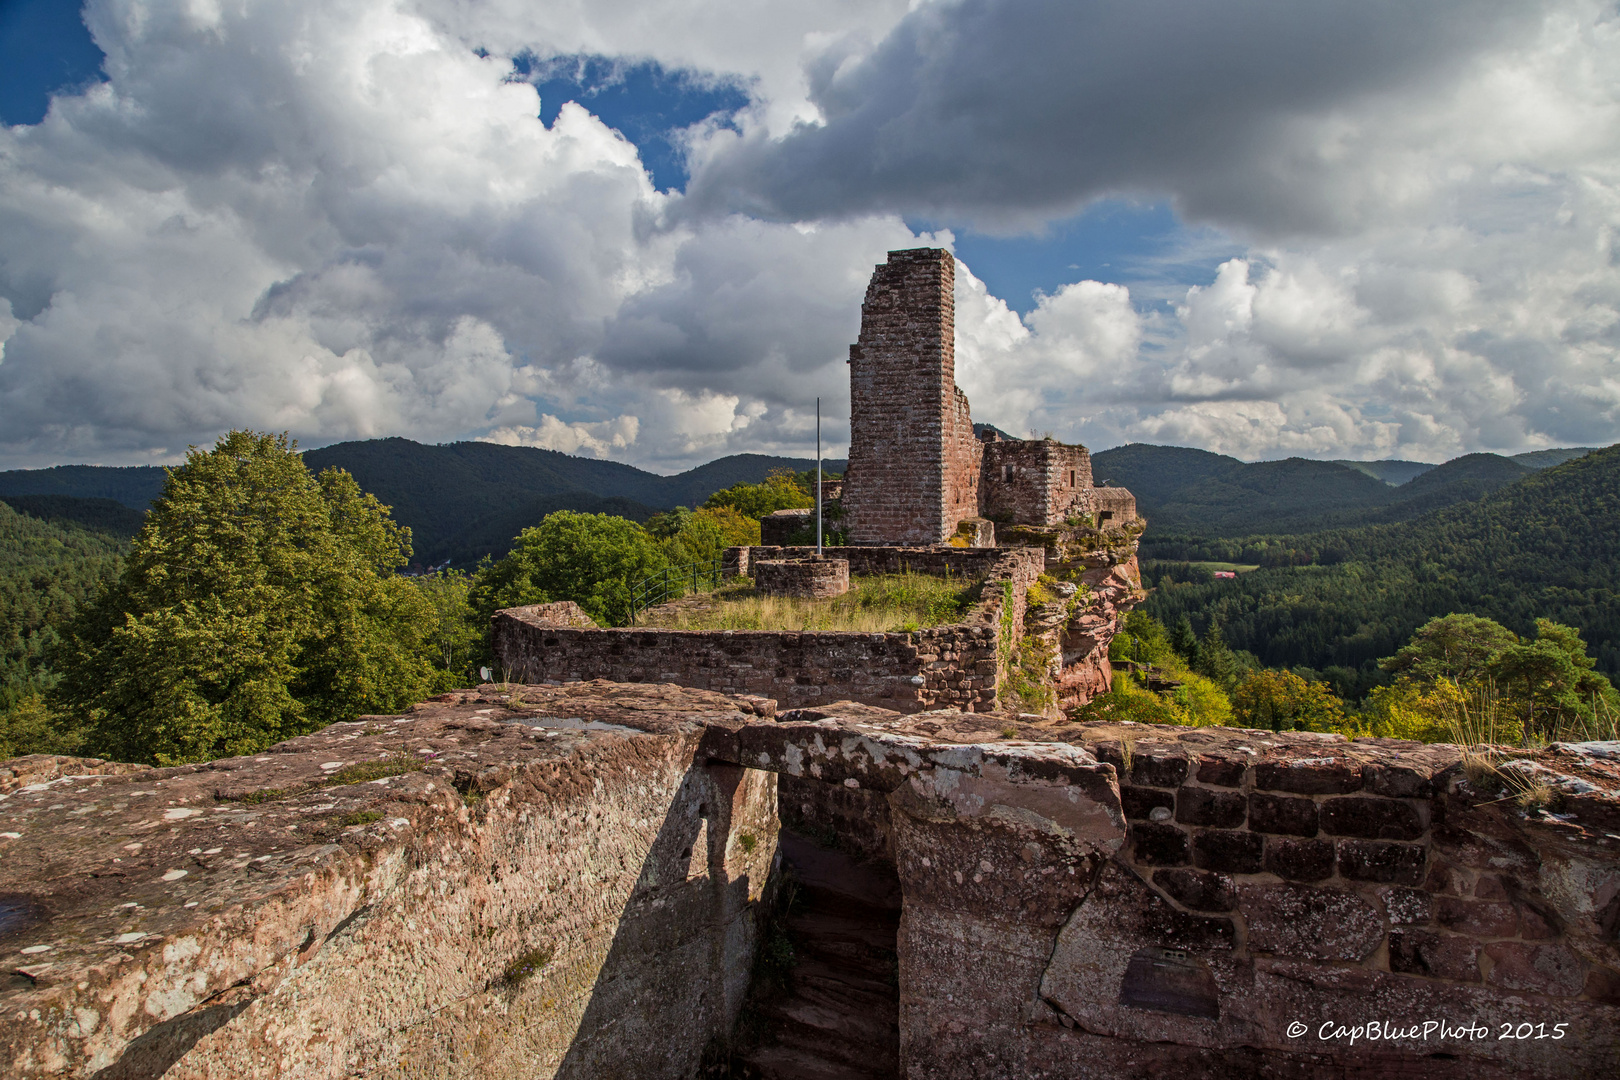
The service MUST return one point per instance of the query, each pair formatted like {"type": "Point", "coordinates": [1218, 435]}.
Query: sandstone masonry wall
{"type": "Point", "coordinates": [1035, 482]}
{"type": "Point", "coordinates": [957, 666]}
{"type": "Point", "coordinates": [1272, 879]}
{"type": "Point", "coordinates": [1115, 506]}
{"type": "Point", "coordinates": [914, 462]}
{"type": "Point", "coordinates": [570, 886]}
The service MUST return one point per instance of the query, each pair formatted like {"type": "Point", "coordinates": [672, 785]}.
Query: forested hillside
{"type": "Point", "coordinates": [46, 570]}
{"type": "Point", "coordinates": [1547, 546]}
{"type": "Point", "coordinates": [461, 501]}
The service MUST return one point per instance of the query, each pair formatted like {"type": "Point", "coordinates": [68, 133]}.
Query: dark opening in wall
{"type": "Point", "coordinates": [826, 995]}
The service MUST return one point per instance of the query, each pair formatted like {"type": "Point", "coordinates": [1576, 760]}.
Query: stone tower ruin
{"type": "Point", "coordinates": [914, 463]}
{"type": "Point", "coordinates": [916, 468]}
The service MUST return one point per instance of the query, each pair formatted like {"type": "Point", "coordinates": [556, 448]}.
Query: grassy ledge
{"type": "Point", "coordinates": [875, 603]}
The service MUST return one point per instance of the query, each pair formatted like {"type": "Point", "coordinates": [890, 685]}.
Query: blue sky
{"type": "Point", "coordinates": [44, 47]}
{"type": "Point", "coordinates": [1334, 230]}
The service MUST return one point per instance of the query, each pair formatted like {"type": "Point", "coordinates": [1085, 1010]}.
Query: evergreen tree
{"type": "Point", "coordinates": [1215, 661]}
{"type": "Point", "coordinates": [258, 603]}
{"type": "Point", "coordinates": [1184, 641]}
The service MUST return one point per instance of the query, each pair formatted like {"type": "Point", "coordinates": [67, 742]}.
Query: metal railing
{"type": "Point", "coordinates": [674, 582]}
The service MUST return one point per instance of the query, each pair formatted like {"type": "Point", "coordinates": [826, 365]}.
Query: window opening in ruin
{"type": "Point", "coordinates": [1105, 515]}
{"type": "Point", "coordinates": [1006, 472]}
{"type": "Point", "coordinates": [1071, 478]}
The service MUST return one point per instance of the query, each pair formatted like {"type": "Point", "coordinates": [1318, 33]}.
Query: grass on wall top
{"type": "Point", "coordinates": [875, 603]}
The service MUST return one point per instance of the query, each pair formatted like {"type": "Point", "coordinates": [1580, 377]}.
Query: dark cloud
{"type": "Point", "coordinates": [1006, 111]}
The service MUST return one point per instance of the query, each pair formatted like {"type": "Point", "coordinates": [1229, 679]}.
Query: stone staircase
{"type": "Point", "coordinates": [838, 1018]}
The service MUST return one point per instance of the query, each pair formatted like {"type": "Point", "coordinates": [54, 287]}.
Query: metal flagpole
{"type": "Point", "coordinates": [818, 478]}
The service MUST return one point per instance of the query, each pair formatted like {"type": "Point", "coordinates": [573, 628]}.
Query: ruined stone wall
{"type": "Point", "coordinates": [1115, 506]}
{"type": "Point", "coordinates": [779, 528]}
{"type": "Point", "coordinates": [570, 887]}
{"type": "Point", "coordinates": [1271, 881]}
{"type": "Point", "coordinates": [852, 820]}
{"type": "Point", "coordinates": [913, 460]}
{"type": "Point", "coordinates": [963, 457]}
{"type": "Point", "coordinates": [546, 897]}
{"type": "Point", "coordinates": [958, 666]}
{"type": "Point", "coordinates": [936, 667]}
{"type": "Point", "coordinates": [1035, 482]}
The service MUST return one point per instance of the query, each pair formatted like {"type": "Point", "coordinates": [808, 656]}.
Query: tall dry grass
{"type": "Point", "coordinates": [1483, 728]}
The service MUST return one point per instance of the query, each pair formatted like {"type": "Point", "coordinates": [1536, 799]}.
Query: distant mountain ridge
{"type": "Point", "coordinates": [1183, 490]}
{"type": "Point", "coordinates": [466, 500]}
{"type": "Point", "coordinates": [461, 500]}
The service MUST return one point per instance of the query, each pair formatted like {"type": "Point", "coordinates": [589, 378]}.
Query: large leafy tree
{"type": "Point", "coordinates": [1459, 647]}
{"type": "Point", "coordinates": [1282, 701]}
{"type": "Point", "coordinates": [782, 490]}
{"type": "Point", "coordinates": [258, 602]}
{"type": "Point", "coordinates": [1551, 678]}
{"type": "Point", "coordinates": [594, 560]}
{"type": "Point", "coordinates": [705, 534]}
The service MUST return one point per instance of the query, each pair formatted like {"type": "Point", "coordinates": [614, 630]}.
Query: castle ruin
{"type": "Point", "coordinates": [674, 855]}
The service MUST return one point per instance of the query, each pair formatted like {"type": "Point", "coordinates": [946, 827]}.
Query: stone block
{"type": "Point", "coordinates": [1397, 781]}
{"type": "Point", "coordinates": [1159, 768]}
{"type": "Point", "coordinates": [1543, 969]}
{"type": "Point", "coordinates": [1602, 986]}
{"type": "Point", "coordinates": [1444, 878]}
{"type": "Point", "coordinates": [1200, 890]}
{"type": "Point", "coordinates": [1315, 924]}
{"type": "Point", "coordinates": [1140, 802]}
{"type": "Point", "coordinates": [1299, 860]}
{"type": "Point", "coordinates": [1220, 809]}
{"type": "Point", "coordinates": [1375, 860]}
{"type": "Point", "coordinates": [1221, 771]}
{"type": "Point", "coordinates": [1476, 918]}
{"type": "Point", "coordinates": [1158, 845]}
{"type": "Point", "coordinates": [1309, 776]}
{"type": "Point", "coordinates": [1374, 819]}
{"type": "Point", "coordinates": [1408, 907]}
{"type": "Point", "coordinates": [1279, 814]}
{"type": "Point", "coordinates": [1440, 956]}
{"type": "Point", "coordinates": [1233, 852]}
{"type": "Point", "coordinates": [1538, 924]}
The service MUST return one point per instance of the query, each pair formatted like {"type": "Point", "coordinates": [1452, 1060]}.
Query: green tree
{"type": "Point", "coordinates": [666, 525]}
{"type": "Point", "coordinates": [1145, 641]}
{"type": "Point", "coordinates": [29, 727]}
{"type": "Point", "coordinates": [1183, 640]}
{"type": "Point", "coordinates": [1282, 701]}
{"type": "Point", "coordinates": [705, 534]}
{"type": "Point", "coordinates": [780, 491]}
{"type": "Point", "coordinates": [1215, 660]}
{"type": "Point", "coordinates": [591, 559]}
{"type": "Point", "coordinates": [1458, 647]}
{"type": "Point", "coordinates": [455, 634]}
{"type": "Point", "coordinates": [258, 603]}
{"type": "Point", "coordinates": [1551, 679]}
